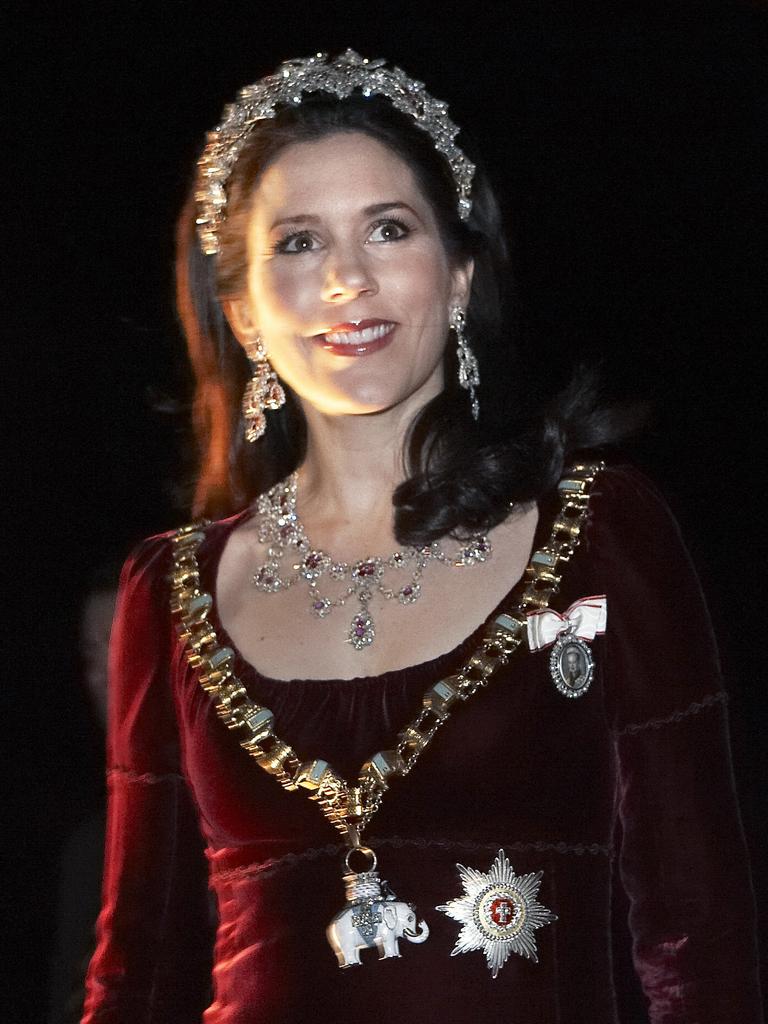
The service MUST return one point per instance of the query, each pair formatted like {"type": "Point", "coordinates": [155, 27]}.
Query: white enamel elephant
{"type": "Point", "coordinates": [380, 923]}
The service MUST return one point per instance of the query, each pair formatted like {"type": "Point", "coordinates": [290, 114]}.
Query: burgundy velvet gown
{"type": "Point", "coordinates": [643, 754]}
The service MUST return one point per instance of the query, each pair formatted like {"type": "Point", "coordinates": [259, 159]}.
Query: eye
{"type": "Point", "coordinates": [389, 230]}
{"type": "Point", "coordinates": [298, 242]}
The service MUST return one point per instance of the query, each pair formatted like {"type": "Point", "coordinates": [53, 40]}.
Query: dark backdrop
{"type": "Point", "coordinates": [629, 144]}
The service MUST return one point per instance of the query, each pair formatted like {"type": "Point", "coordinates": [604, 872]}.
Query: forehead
{"type": "Point", "coordinates": [342, 172]}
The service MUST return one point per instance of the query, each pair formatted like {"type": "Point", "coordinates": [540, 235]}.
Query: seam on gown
{"type": "Point", "coordinates": [275, 864]}
{"type": "Point", "coordinates": [520, 847]}
{"type": "Point", "coordinates": [148, 778]}
{"type": "Point", "coordinates": [677, 716]}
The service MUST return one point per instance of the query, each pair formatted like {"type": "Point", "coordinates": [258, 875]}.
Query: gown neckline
{"type": "Point", "coordinates": [211, 552]}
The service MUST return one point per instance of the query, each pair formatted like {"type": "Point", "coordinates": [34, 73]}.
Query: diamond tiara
{"type": "Point", "coordinates": [340, 77]}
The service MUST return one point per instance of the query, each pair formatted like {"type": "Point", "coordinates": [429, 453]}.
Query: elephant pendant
{"type": "Point", "coordinates": [373, 916]}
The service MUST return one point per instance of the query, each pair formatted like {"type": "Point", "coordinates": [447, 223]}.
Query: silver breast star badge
{"type": "Point", "coordinates": [499, 912]}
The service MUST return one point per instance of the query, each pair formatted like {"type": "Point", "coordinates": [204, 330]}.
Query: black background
{"type": "Point", "coordinates": [629, 145]}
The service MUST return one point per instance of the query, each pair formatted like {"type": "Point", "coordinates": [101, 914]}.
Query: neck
{"type": "Point", "coordinates": [352, 466]}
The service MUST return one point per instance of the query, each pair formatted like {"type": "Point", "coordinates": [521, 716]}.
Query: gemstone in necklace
{"type": "Point", "coordinates": [409, 593]}
{"type": "Point", "coordinates": [361, 632]}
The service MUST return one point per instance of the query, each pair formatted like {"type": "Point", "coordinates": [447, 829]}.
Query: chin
{"type": "Point", "coordinates": [362, 402]}
{"type": "Point", "coordinates": [411, 402]}
{"type": "Point", "coordinates": [373, 396]}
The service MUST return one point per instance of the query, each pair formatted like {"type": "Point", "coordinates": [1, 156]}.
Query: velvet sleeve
{"type": "Point", "coordinates": [152, 959]}
{"type": "Point", "coordinates": [683, 859]}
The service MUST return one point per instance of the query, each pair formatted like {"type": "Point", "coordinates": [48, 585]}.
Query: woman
{"type": "Point", "coordinates": [524, 669]}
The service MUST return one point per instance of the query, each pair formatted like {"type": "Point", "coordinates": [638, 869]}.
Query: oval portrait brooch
{"type": "Point", "coordinates": [571, 662]}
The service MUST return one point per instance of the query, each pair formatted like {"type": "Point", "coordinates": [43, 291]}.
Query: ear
{"type": "Point", "coordinates": [240, 319]}
{"type": "Point", "coordinates": [461, 283]}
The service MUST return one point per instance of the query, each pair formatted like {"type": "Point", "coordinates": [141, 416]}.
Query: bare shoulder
{"type": "Point", "coordinates": [239, 557]}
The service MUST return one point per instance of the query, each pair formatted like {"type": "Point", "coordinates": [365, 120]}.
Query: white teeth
{"type": "Point", "coordinates": [361, 337]}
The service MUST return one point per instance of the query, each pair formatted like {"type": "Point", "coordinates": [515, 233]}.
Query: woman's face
{"type": "Point", "coordinates": [348, 283]}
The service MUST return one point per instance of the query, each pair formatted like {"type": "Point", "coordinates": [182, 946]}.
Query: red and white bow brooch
{"type": "Point", "coordinates": [571, 663]}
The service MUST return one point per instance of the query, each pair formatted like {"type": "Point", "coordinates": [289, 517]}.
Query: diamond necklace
{"type": "Point", "coordinates": [279, 527]}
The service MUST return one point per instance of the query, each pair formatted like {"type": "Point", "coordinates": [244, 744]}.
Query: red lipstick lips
{"type": "Point", "coordinates": [356, 339]}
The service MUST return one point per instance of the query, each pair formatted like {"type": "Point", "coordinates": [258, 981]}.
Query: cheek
{"type": "Point", "coordinates": [422, 285]}
{"type": "Point", "coordinates": [282, 295]}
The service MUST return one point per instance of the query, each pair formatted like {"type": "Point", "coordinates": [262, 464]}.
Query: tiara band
{"type": "Point", "coordinates": [340, 77]}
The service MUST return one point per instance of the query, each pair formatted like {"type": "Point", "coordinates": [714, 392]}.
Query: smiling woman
{"type": "Point", "coordinates": [430, 609]}
{"type": "Point", "coordinates": [362, 272]}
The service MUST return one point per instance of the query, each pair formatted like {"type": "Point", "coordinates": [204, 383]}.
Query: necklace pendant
{"type": "Point", "coordinates": [372, 918]}
{"type": "Point", "coordinates": [361, 631]}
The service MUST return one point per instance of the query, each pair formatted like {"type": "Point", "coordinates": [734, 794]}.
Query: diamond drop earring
{"type": "Point", "coordinates": [469, 372]}
{"type": "Point", "coordinates": [263, 391]}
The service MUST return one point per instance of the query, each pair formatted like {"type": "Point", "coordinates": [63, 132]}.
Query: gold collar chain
{"type": "Point", "coordinates": [350, 808]}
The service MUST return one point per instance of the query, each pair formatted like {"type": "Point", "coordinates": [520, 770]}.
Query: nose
{"type": "Point", "coordinates": [347, 276]}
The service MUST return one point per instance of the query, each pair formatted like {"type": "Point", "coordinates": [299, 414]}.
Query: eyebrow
{"type": "Point", "coordinates": [369, 211]}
